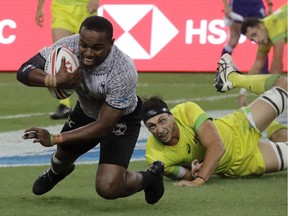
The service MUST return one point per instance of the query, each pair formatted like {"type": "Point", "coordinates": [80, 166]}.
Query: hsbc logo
{"type": "Point", "coordinates": [141, 30]}
{"type": "Point", "coordinates": [5, 24]}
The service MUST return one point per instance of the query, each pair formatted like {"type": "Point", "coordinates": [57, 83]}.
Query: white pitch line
{"type": "Point", "coordinates": [212, 98]}
{"type": "Point", "coordinates": [173, 84]}
{"type": "Point", "coordinates": [23, 115]}
{"type": "Point", "coordinates": [12, 144]}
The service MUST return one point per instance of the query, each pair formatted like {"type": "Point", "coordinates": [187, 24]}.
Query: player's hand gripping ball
{"type": "Point", "coordinates": [53, 64]}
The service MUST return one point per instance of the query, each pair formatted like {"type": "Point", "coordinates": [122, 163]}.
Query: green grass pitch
{"type": "Point", "coordinates": [264, 196]}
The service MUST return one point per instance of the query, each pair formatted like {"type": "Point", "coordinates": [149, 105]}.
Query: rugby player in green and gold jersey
{"type": "Point", "coordinates": [270, 32]}
{"type": "Point", "coordinates": [193, 146]}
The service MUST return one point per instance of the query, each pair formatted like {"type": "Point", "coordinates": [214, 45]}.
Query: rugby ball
{"type": "Point", "coordinates": [53, 64]}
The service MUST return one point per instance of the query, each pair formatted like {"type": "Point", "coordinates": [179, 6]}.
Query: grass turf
{"type": "Point", "coordinates": [76, 195]}
{"type": "Point", "coordinates": [18, 99]}
{"type": "Point", "coordinates": [264, 196]}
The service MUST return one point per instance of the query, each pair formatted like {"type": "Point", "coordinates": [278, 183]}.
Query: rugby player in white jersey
{"type": "Point", "coordinates": [108, 113]}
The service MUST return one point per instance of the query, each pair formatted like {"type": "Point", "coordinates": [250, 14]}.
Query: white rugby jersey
{"type": "Point", "coordinates": [113, 81]}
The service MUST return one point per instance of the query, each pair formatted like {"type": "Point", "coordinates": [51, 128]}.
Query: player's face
{"type": "Point", "coordinates": [162, 127]}
{"type": "Point", "coordinates": [94, 47]}
{"type": "Point", "coordinates": [258, 34]}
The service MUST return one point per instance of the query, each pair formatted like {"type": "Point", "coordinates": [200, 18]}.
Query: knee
{"type": "Point", "coordinates": [280, 135]}
{"type": "Point", "coordinates": [107, 189]}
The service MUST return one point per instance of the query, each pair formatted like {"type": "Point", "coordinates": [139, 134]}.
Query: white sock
{"type": "Point", "coordinates": [228, 48]}
{"type": "Point", "coordinates": [281, 151]}
{"type": "Point", "coordinates": [57, 162]}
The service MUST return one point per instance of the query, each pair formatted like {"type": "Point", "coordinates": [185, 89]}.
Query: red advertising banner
{"type": "Point", "coordinates": [162, 36]}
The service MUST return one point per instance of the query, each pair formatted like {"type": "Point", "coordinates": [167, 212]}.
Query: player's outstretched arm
{"type": "Point", "coordinates": [277, 59]}
{"type": "Point", "coordinates": [212, 142]}
{"type": "Point", "coordinates": [107, 118]}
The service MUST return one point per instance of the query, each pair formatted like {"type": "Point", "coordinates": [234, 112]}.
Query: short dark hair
{"type": "Point", "coordinates": [98, 23]}
{"type": "Point", "coordinates": [153, 106]}
{"type": "Point", "coordinates": [249, 22]}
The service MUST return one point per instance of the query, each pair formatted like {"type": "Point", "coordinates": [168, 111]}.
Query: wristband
{"type": "Point", "coordinates": [50, 81]}
{"type": "Point", "coordinates": [57, 139]}
{"type": "Point", "coordinates": [201, 178]}
{"type": "Point", "coordinates": [52, 139]}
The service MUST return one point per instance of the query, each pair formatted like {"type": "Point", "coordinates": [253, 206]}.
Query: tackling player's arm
{"type": "Point", "coordinates": [211, 141]}
{"type": "Point", "coordinates": [178, 172]}
{"type": "Point", "coordinates": [277, 59]}
{"type": "Point", "coordinates": [188, 176]}
{"type": "Point", "coordinates": [193, 172]}
{"type": "Point", "coordinates": [184, 173]}
{"type": "Point", "coordinates": [258, 64]}
{"type": "Point", "coordinates": [215, 149]}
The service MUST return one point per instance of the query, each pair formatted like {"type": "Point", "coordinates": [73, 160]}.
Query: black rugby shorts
{"type": "Point", "coordinates": [116, 147]}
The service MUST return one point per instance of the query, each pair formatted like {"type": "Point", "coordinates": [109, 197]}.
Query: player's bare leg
{"type": "Point", "coordinates": [58, 33]}
{"type": "Point", "coordinates": [114, 181]}
{"type": "Point", "coordinates": [277, 132]}
{"type": "Point", "coordinates": [261, 114]}
{"type": "Point", "coordinates": [274, 155]}
{"type": "Point", "coordinates": [280, 135]}
{"type": "Point", "coordinates": [235, 32]}
{"type": "Point", "coordinates": [270, 105]}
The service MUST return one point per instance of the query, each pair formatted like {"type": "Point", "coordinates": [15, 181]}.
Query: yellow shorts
{"type": "Point", "coordinates": [68, 16]}
{"type": "Point", "coordinates": [244, 157]}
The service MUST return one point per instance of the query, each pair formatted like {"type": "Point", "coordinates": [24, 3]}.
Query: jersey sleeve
{"type": "Point", "coordinates": [276, 26]}
{"type": "Point", "coordinates": [191, 114]}
{"type": "Point", "coordinates": [175, 172]}
{"type": "Point", "coordinates": [156, 151]}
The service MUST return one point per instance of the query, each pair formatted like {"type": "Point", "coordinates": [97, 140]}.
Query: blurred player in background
{"type": "Point", "coordinates": [235, 13]}
{"type": "Point", "coordinates": [269, 32]}
{"type": "Point", "coordinates": [67, 16]}
{"type": "Point", "coordinates": [244, 8]}
{"type": "Point", "coordinates": [193, 146]}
